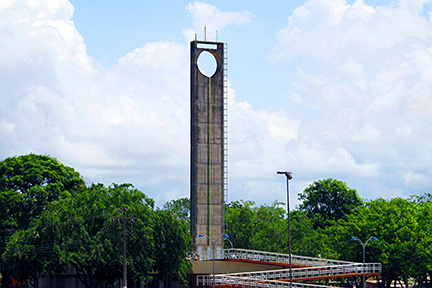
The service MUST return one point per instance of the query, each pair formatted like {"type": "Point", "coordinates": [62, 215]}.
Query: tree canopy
{"type": "Point", "coordinates": [28, 184]}
{"type": "Point", "coordinates": [50, 220]}
{"type": "Point", "coordinates": [79, 231]}
{"type": "Point", "coordinates": [180, 207]}
{"type": "Point", "coordinates": [403, 244]}
{"type": "Point", "coordinates": [265, 228]}
{"type": "Point", "coordinates": [329, 200]}
{"type": "Point", "coordinates": [401, 226]}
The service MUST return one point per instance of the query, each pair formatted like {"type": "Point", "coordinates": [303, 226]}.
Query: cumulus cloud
{"type": "Point", "coordinates": [358, 105]}
{"type": "Point", "coordinates": [206, 15]}
{"type": "Point", "coordinates": [416, 180]}
{"type": "Point", "coordinates": [125, 123]}
{"type": "Point", "coordinates": [257, 139]}
{"type": "Point", "coordinates": [362, 74]}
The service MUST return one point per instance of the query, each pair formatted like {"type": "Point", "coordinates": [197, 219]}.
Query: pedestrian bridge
{"type": "Point", "coordinates": [305, 270]}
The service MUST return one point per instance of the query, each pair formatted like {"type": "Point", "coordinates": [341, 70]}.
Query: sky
{"type": "Point", "coordinates": [322, 88]}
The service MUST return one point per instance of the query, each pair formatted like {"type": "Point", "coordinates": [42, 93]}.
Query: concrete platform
{"type": "Point", "coordinates": [230, 266]}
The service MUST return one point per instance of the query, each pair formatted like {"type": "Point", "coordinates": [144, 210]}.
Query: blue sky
{"type": "Point", "coordinates": [323, 88]}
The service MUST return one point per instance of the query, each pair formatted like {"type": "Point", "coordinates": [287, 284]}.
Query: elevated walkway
{"type": "Point", "coordinates": [278, 258]}
{"type": "Point", "coordinates": [305, 270]}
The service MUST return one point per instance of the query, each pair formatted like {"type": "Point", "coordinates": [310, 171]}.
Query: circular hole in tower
{"type": "Point", "coordinates": [207, 64]}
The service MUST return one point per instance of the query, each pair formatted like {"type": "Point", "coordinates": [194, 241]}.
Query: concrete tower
{"type": "Point", "coordinates": [207, 149]}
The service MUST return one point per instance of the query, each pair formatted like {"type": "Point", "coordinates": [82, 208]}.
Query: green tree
{"type": "Point", "coordinates": [239, 219]}
{"type": "Point", "coordinates": [27, 185]}
{"type": "Point", "coordinates": [329, 200]}
{"type": "Point", "coordinates": [265, 228]}
{"type": "Point", "coordinates": [394, 223]}
{"type": "Point", "coordinates": [173, 242]}
{"type": "Point", "coordinates": [422, 262]}
{"type": "Point", "coordinates": [306, 240]}
{"type": "Point", "coordinates": [426, 197]}
{"type": "Point", "coordinates": [81, 232]}
{"type": "Point", "coordinates": [270, 231]}
{"type": "Point", "coordinates": [180, 207]}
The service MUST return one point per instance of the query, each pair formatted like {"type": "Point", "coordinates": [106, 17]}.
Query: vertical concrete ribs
{"type": "Point", "coordinates": [207, 150]}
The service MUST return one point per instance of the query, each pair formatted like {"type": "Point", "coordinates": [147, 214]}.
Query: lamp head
{"type": "Point", "coordinates": [286, 173]}
{"type": "Point", "coordinates": [374, 238]}
{"type": "Point", "coordinates": [201, 235]}
{"type": "Point", "coordinates": [226, 236]}
{"type": "Point", "coordinates": [354, 238]}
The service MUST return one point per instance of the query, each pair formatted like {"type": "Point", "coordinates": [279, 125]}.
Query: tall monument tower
{"type": "Point", "coordinates": [207, 149]}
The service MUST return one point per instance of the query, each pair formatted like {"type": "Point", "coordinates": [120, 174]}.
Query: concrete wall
{"type": "Point", "coordinates": [207, 149]}
{"type": "Point", "coordinates": [229, 266]}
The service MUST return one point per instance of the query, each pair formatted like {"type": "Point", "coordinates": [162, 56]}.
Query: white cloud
{"type": "Point", "coordinates": [257, 139]}
{"type": "Point", "coordinates": [358, 108]}
{"type": "Point", "coordinates": [326, 28]}
{"type": "Point", "coordinates": [123, 123]}
{"type": "Point", "coordinates": [415, 5]}
{"type": "Point", "coordinates": [416, 180]}
{"type": "Point", "coordinates": [362, 74]}
{"type": "Point", "coordinates": [208, 16]}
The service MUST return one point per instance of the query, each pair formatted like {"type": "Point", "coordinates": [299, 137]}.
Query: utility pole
{"type": "Point", "coordinates": [124, 218]}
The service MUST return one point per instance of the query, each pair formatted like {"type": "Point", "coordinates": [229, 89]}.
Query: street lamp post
{"type": "Point", "coordinates": [364, 249]}
{"type": "Point", "coordinates": [213, 242]}
{"type": "Point", "coordinates": [288, 176]}
{"type": "Point", "coordinates": [232, 246]}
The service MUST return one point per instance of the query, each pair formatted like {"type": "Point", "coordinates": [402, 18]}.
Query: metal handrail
{"type": "Point", "coordinates": [274, 276]}
{"type": "Point", "coordinates": [310, 272]}
{"type": "Point", "coordinates": [248, 282]}
{"type": "Point", "coordinates": [297, 260]}
{"type": "Point", "coordinates": [318, 268]}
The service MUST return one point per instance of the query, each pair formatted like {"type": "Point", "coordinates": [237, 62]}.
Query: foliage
{"type": "Point", "coordinates": [265, 228]}
{"type": "Point", "coordinates": [270, 228]}
{"type": "Point", "coordinates": [424, 198]}
{"type": "Point", "coordinates": [402, 244]}
{"type": "Point", "coordinates": [28, 184]}
{"type": "Point", "coordinates": [34, 181]}
{"type": "Point", "coordinates": [305, 240]}
{"type": "Point", "coordinates": [181, 207]}
{"type": "Point", "coordinates": [43, 230]}
{"type": "Point", "coordinates": [402, 227]}
{"type": "Point", "coordinates": [173, 242]}
{"type": "Point", "coordinates": [80, 231]}
{"type": "Point", "coordinates": [326, 201]}
{"type": "Point", "coordinates": [239, 219]}
{"type": "Point", "coordinates": [422, 261]}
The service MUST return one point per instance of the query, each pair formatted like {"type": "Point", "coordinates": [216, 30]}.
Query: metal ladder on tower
{"type": "Point", "coordinates": [225, 117]}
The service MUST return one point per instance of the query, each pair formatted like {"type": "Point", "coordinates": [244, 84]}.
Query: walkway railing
{"type": "Point", "coordinates": [299, 274]}
{"type": "Point", "coordinates": [247, 282]}
{"type": "Point", "coordinates": [260, 256]}
{"type": "Point", "coordinates": [318, 269]}
{"type": "Point", "coordinates": [312, 272]}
